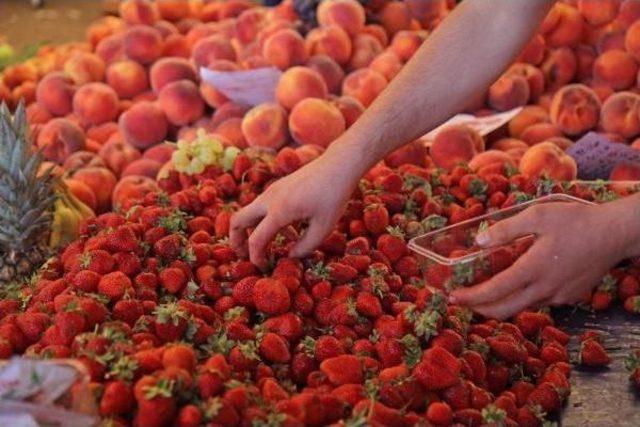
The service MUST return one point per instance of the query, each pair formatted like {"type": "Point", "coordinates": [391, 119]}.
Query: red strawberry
{"type": "Point", "coordinates": [128, 310]}
{"type": "Point", "coordinates": [632, 365]}
{"type": "Point", "coordinates": [170, 322]}
{"type": "Point", "coordinates": [128, 263]}
{"type": "Point", "coordinates": [592, 353]}
{"type": "Point", "coordinates": [98, 260]}
{"type": "Point", "coordinates": [507, 348]}
{"type": "Point", "coordinates": [531, 323]}
{"type": "Point", "coordinates": [438, 369]}
{"type": "Point", "coordinates": [122, 239]}
{"type": "Point", "coordinates": [392, 244]}
{"type": "Point", "coordinates": [546, 396]}
{"type": "Point", "coordinates": [341, 273]}
{"type": "Point", "coordinates": [551, 333]}
{"type": "Point", "coordinates": [439, 413]}
{"type": "Point", "coordinates": [274, 348]}
{"type": "Point", "coordinates": [117, 399]}
{"type": "Point", "coordinates": [86, 281]}
{"type": "Point", "coordinates": [32, 325]}
{"type": "Point", "coordinates": [343, 369]}
{"type": "Point", "coordinates": [628, 287]}
{"type": "Point", "coordinates": [169, 247]}
{"type": "Point", "coordinates": [376, 218]}
{"type": "Point", "coordinates": [632, 304]}
{"type": "Point", "coordinates": [271, 296]}
{"type": "Point", "coordinates": [172, 279]}
{"type": "Point", "coordinates": [114, 285]}
{"type": "Point", "coordinates": [189, 416]}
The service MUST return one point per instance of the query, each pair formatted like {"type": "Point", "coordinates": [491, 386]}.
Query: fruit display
{"type": "Point", "coordinates": [176, 329]}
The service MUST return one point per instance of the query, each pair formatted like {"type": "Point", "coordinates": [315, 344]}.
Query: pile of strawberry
{"type": "Point", "coordinates": [175, 329]}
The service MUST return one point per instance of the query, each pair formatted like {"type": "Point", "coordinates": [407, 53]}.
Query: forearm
{"type": "Point", "coordinates": [456, 64]}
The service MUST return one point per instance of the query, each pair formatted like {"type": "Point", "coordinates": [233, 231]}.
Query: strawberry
{"type": "Point", "coordinates": [343, 369]}
{"type": "Point", "coordinates": [86, 281]}
{"type": "Point", "coordinates": [457, 396]}
{"type": "Point", "coordinates": [114, 285]}
{"type": "Point", "coordinates": [632, 304]}
{"type": "Point", "coordinates": [157, 407]}
{"type": "Point", "coordinates": [546, 396]}
{"type": "Point", "coordinates": [270, 296]}
{"type": "Point", "coordinates": [122, 239]}
{"type": "Point", "coordinates": [168, 247]}
{"type": "Point", "coordinates": [172, 279]}
{"type": "Point", "coordinates": [376, 218]}
{"type": "Point", "coordinates": [593, 354]}
{"type": "Point", "coordinates": [341, 273]}
{"type": "Point", "coordinates": [439, 413]}
{"type": "Point", "coordinates": [632, 365]}
{"type": "Point", "coordinates": [438, 369]}
{"type": "Point", "coordinates": [32, 325]}
{"type": "Point", "coordinates": [98, 260]}
{"type": "Point", "coordinates": [532, 323]}
{"type": "Point", "coordinates": [117, 399]}
{"type": "Point", "coordinates": [392, 244]}
{"type": "Point", "coordinates": [507, 348]}
{"type": "Point", "coordinates": [189, 416]}
{"type": "Point", "coordinates": [628, 287]}
{"type": "Point", "coordinates": [551, 333]}
{"type": "Point", "coordinates": [170, 322]}
{"type": "Point", "coordinates": [128, 263]}
{"type": "Point", "coordinates": [274, 348]}
{"type": "Point", "coordinates": [128, 310]}
{"type": "Point", "coordinates": [468, 417]}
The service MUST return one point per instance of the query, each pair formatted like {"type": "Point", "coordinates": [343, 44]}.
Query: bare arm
{"type": "Point", "coordinates": [458, 62]}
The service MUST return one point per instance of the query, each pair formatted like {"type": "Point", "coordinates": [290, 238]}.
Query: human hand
{"type": "Point", "coordinates": [317, 193]}
{"type": "Point", "coordinates": [575, 247]}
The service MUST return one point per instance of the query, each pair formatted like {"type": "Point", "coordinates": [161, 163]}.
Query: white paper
{"type": "Point", "coordinates": [249, 87]}
{"type": "Point", "coordinates": [484, 125]}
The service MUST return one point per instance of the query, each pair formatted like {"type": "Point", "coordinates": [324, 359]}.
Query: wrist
{"type": "Point", "coordinates": [624, 218]}
{"type": "Point", "coordinates": [353, 153]}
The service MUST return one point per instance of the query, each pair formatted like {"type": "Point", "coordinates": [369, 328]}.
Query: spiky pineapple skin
{"type": "Point", "coordinates": [26, 199]}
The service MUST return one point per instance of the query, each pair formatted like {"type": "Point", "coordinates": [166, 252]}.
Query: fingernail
{"type": "Point", "coordinates": [483, 239]}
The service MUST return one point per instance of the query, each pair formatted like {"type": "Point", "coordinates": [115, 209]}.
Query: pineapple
{"type": "Point", "coordinates": [26, 200]}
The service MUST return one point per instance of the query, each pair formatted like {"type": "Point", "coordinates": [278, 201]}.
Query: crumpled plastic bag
{"type": "Point", "coordinates": [248, 87]}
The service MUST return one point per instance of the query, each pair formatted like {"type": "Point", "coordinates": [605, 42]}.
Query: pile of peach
{"type": "Point", "coordinates": [102, 108]}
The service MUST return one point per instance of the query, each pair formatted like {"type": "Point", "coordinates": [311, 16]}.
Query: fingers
{"type": "Point", "coordinates": [317, 231]}
{"type": "Point", "coordinates": [262, 235]}
{"type": "Point", "coordinates": [514, 303]}
{"type": "Point", "coordinates": [508, 230]}
{"type": "Point", "coordinates": [524, 270]}
{"type": "Point", "coordinates": [241, 220]}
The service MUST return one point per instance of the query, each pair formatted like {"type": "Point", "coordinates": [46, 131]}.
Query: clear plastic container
{"type": "Point", "coordinates": [451, 258]}
{"type": "Point", "coordinates": [602, 191]}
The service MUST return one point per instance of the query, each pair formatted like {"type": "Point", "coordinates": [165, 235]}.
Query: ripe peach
{"type": "Point", "coordinates": [181, 102]}
{"type": "Point", "coordinates": [561, 142]}
{"type": "Point", "coordinates": [611, 39]}
{"type": "Point", "coordinates": [233, 8]}
{"type": "Point", "coordinates": [212, 48]}
{"type": "Point", "coordinates": [331, 41]}
{"type": "Point", "coordinates": [103, 132]}
{"type": "Point", "coordinates": [15, 75]}
{"type": "Point", "coordinates": [347, 14]}
{"type": "Point", "coordinates": [539, 132]}
{"type": "Point", "coordinates": [625, 171]}
{"type": "Point", "coordinates": [533, 75]}
{"type": "Point", "coordinates": [534, 51]}
{"type": "Point", "coordinates": [101, 181]}
{"type": "Point", "coordinates": [132, 188]}
{"type": "Point", "coordinates": [95, 103]}
{"type": "Point", "coordinates": [488, 158]}
{"type": "Point", "coordinates": [59, 138]}
{"type": "Point", "coordinates": [394, 17]}
{"type": "Point", "coordinates": [111, 49]}
{"type": "Point", "coordinates": [102, 28]}
{"type": "Point", "coordinates": [253, 62]}
{"type": "Point", "coordinates": [37, 114]}
{"type": "Point", "coordinates": [575, 109]}
{"type": "Point", "coordinates": [563, 26]}
{"type": "Point", "coordinates": [350, 108]}
{"type": "Point", "coordinates": [142, 167]}
{"type": "Point", "coordinates": [632, 40]}
{"type": "Point", "coordinates": [249, 24]}
{"type": "Point", "coordinates": [509, 91]}
{"type": "Point", "coordinates": [272, 28]}
{"type": "Point", "coordinates": [365, 49]}
{"type": "Point", "coordinates": [55, 93]}
{"type": "Point", "coordinates": [621, 114]}
{"type": "Point", "coordinates": [364, 85]}
{"type": "Point", "coordinates": [599, 12]}
{"type": "Point", "coordinates": [82, 192]}
{"type": "Point", "coordinates": [82, 159]}
{"type": "Point", "coordinates": [160, 153]}
{"type": "Point", "coordinates": [231, 129]}
{"type": "Point", "coordinates": [176, 45]}
{"type": "Point", "coordinates": [559, 68]}
{"type": "Point", "coordinates": [629, 13]}
{"type": "Point", "coordinates": [265, 126]}
{"type": "Point", "coordinates": [308, 152]}
{"type": "Point", "coordinates": [136, 12]}
{"type": "Point", "coordinates": [210, 94]}
{"type": "Point", "coordinates": [454, 145]}
{"type": "Point", "coordinates": [405, 44]}
{"type": "Point", "coordinates": [143, 125]}
{"type": "Point", "coordinates": [304, 119]}
{"type": "Point", "coordinates": [586, 56]}
{"type": "Point", "coordinates": [26, 91]}
{"type": "Point", "coordinates": [227, 111]}
{"type": "Point", "coordinates": [506, 144]}
{"type": "Point", "coordinates": [284, 49]}
{"type": "Point", "coordinates": [413, 153]}
{"type": "Point", "coordinates": [84, 67]}
{"type": "Point", "coordinates": [298, 83]}
{"type": "Point", "coordinates": [530, 115]}
{"type": "Point", "coordinates": [331, 72]}
{"type": "Point", "coordinates": [387, 64]}
{"type": "Point", "coordinates": [548, 160]}
{"type": "Point", "coordinates": [173, 10]}
{"type": "Point", "coordinates": [167, 70]}
{"type": "Point", "coordinates": [378, 32]}
{"type": "Point", "coordinates": [142, 44]}
{"type": "Point", "coordinates": [615, 68]}
{"type": "Point", "coordinates": [118, 154]}
{"type": "Point", "coordinates": [127, 78]}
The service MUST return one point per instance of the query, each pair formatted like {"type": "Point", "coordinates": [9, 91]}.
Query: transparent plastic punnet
{"type": "Point", "coordinates": [452, 259]}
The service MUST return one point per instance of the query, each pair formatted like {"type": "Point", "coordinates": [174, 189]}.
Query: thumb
{"type": "Point", "coordinates": [314, 235]}
{"type": "Point", "coordinates": [505, 231]}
